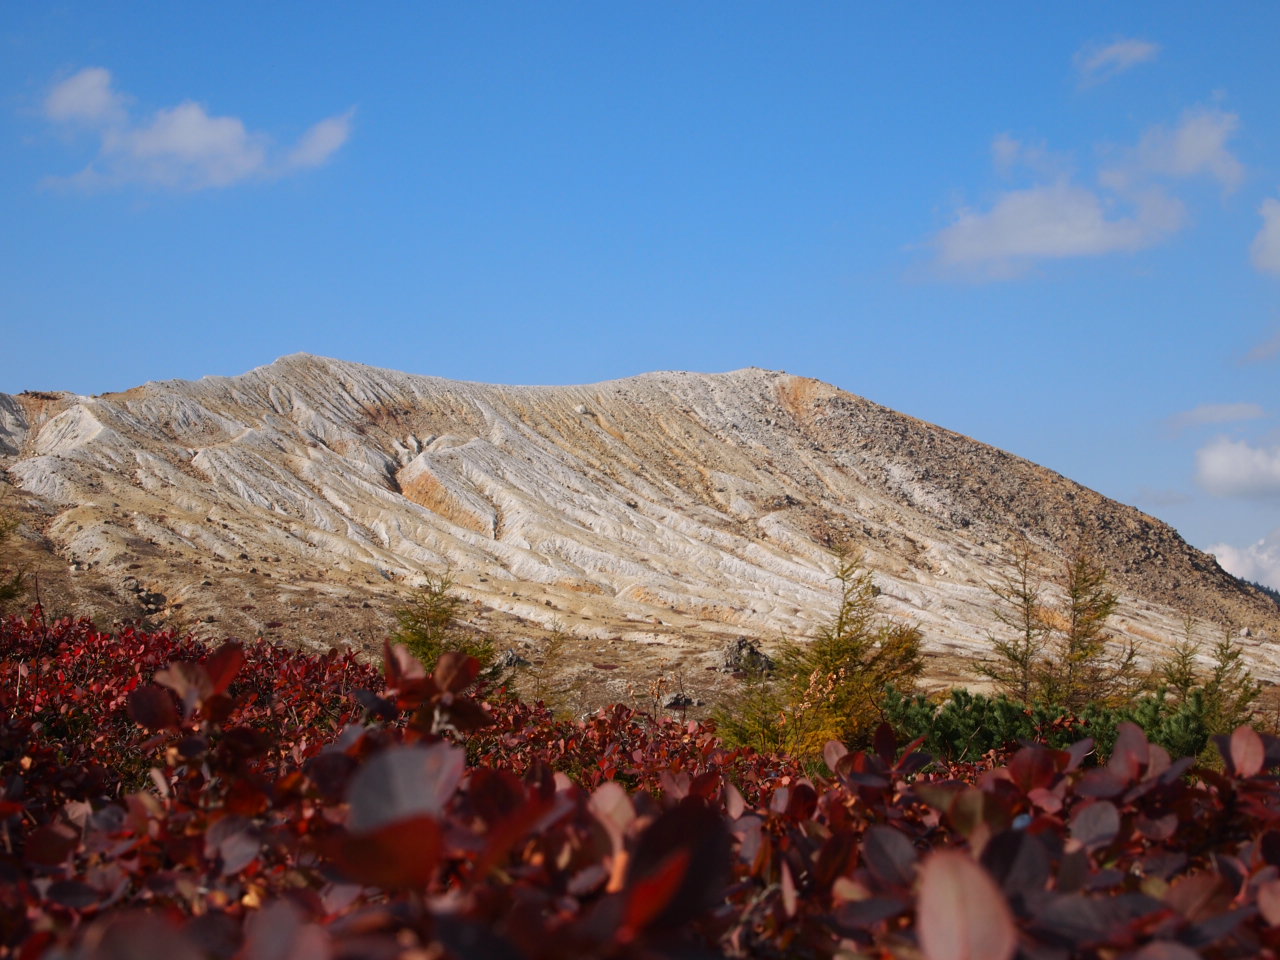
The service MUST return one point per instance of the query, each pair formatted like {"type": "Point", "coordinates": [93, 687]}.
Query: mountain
{"type": "Point", "coordinates": [653, 518]}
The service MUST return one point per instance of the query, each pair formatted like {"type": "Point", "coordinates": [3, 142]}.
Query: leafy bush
{"type": "Point", "coordinates": [1181, 716]}
{"type": "Point", "coordinates": [274, 804]}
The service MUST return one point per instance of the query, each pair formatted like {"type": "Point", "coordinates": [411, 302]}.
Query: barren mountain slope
{"type": "Point", "coordinates": [671, 510]}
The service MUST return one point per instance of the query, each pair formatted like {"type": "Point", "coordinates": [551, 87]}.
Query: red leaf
{"type": "Point", "coordinates": [613, 808]}
{"type": "Point", "coordinates": [464, 714]}
{"type": "Point", "coordinates": [1033, 767]}
{"type": "Point", "coordinates": [648, 896]}
{"type": "Point", "coordinates": [789, 896]}
{"type": "Point", "coordinates": [734, 803]}
{"type": "Point", "coordinates": [1199, 896]}
{"type": "Point", "coordinates": [137, 936]}
{"type": "Point", "coordinates": [1269, 902]}
{"type": "Point", "coordinates": [832, 753]}
{"type": "Point", "coordinates": [404, 673]}
{"type": "Point", "coordinates": [889, 855]}
{"type": "Point", "coordinates": [695, 828]}
{"type": "Point", "coordinates": [1131, 752]}
{"type": "Point", "coordinates": [1096, 824]}
{"type": "Point", "coordinates": [51, 844]}
{"type": "Point", "coordinates": [404, 782]}
{"type": "Point", "coordinates": [223, 665]}
{"type": "Point", "coordinates": [152, 706]}
{"type": "Point", "coordinates": [1165, 950]}
{"type": "Point", "coordinates": [189, 681]}
{"type": "Point", "coordinates": [455, 671]}
{"type": "Point", "coordinates": [232, 840]}
{"type": "Point", "coordinates": [495, 794]}
{"type": "Point", "coordinates": [1248, 755]}
{"type": "Point", "coordinates": [277, 932]}
{"type": "Point", "coordinates": [706, 785]}
{"type": "Point", "coordinates": [399, 855]}
{"type": "Point", "coordinates": [886, 744]}
{"type": "Point", "coordinates": [961, 913]}
{"type": "Point", "coordinates": [802, 801]}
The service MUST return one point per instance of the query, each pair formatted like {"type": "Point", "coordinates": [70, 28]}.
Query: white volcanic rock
{"type": "Point", "coordinates": [673, 508]}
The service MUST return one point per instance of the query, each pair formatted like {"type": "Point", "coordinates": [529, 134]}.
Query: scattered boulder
{"type": "Point", "coordinates": [745, 656]}
{"type": "Point", "coordinates": [509, 659]}
{"type": "Point", "coordinates": [681, 701]}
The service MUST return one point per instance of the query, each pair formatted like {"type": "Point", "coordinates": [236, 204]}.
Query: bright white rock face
{"type": "Point", "coordinates": [672, 509]}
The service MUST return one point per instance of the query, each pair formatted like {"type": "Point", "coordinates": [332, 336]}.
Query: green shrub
{"type": "Point", "coordinates": [830, 687]}
{"type": "Point", "coordinates": [1181, 715]}
{"type": "Point", "coordinates": [427, 625]}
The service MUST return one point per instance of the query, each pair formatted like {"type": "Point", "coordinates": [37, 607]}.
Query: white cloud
{"type": "Point", "coordinates": [1097, 64]}
{"type": "Point", "coordinates": [180, 147]}
{"type": "Point", "coordinates": [1055, 221]}
{"type": "Point", "coordinates": [1197, 145]}
{"type": "Point", "coordinates": [1210, 413]}
{"type": "Point", "coordinates": [1235, 468]}
{"type": "Point", "coordinates": [322, 141]}
{"type": "Point", "coordinates": [1259, 562]}
{"type": "Point", "coordinates": [85, 97]}
{"type": "Point", "coordinates": [1132, 206]}
{"type": "Point", "coordinates": [1265, 251]}
{"type": "Point", "coordinates": [185, 147]}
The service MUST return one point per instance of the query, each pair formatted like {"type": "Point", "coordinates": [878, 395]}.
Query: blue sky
{"type": "Point", "coordinates": [1055, 229]}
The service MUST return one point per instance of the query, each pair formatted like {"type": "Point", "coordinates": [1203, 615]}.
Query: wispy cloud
{"type": "Point", "coordinates": [183, 147]}
{"type": "Point", "coordinates": [1264, 352]}
{"type": "Point", "coordinates": [1215, 413]}
{"type": "Point", "coordinates": [322, 141]}
{"type": "Point", "coordinates": [1259, 562]}
{"type": "Point", "coordinates": [1053, 221]}
{"type": "Point", "coordinates": [1131, 207]}
{"type": "Point", "coordinates": [86, 98]}
{"type": "Point", "coordinates": [1009, 154]}
{"type": "Point", "coordinates": [1265, 251]}
{"type": "Point", "coordinates": [1098, 63]}
{"type": "Point", "coordinates": [1197, 146]}
{"type": "Point", "coordinates": [1235, 468]}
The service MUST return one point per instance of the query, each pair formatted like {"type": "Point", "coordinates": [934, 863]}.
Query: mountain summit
{"type": "Point", "coordinates": [659, 515]}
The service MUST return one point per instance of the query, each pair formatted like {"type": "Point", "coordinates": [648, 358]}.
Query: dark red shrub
{"type": "Point", "coordinates": [160, 797]}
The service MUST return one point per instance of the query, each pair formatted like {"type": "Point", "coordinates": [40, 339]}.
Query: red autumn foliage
{"type": "Point", "coordinates": [159, 797]}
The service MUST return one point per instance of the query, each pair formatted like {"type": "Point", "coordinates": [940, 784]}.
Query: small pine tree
{"type": "Point", "coordinates": [1019, 607]}
{"type": "Point", "coordinates": [542, 680]}
{"type": "Point", "coordinates": [427, 624]}
{"type": "Point", "coordinates": [755, 715]}
{"type": "Point", "coordinates": [1229, 690]}
{"type": "Point", "coordinates": [1062, 653]}
{"type": "Point", "coordinates": [1080, 669]}
{"type": "Point", "coordinates": [1178, 674]}
{"type": "Point", "coordinates": [835, 682]}
{"type": "Point", "coordinates": [830, 687]}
